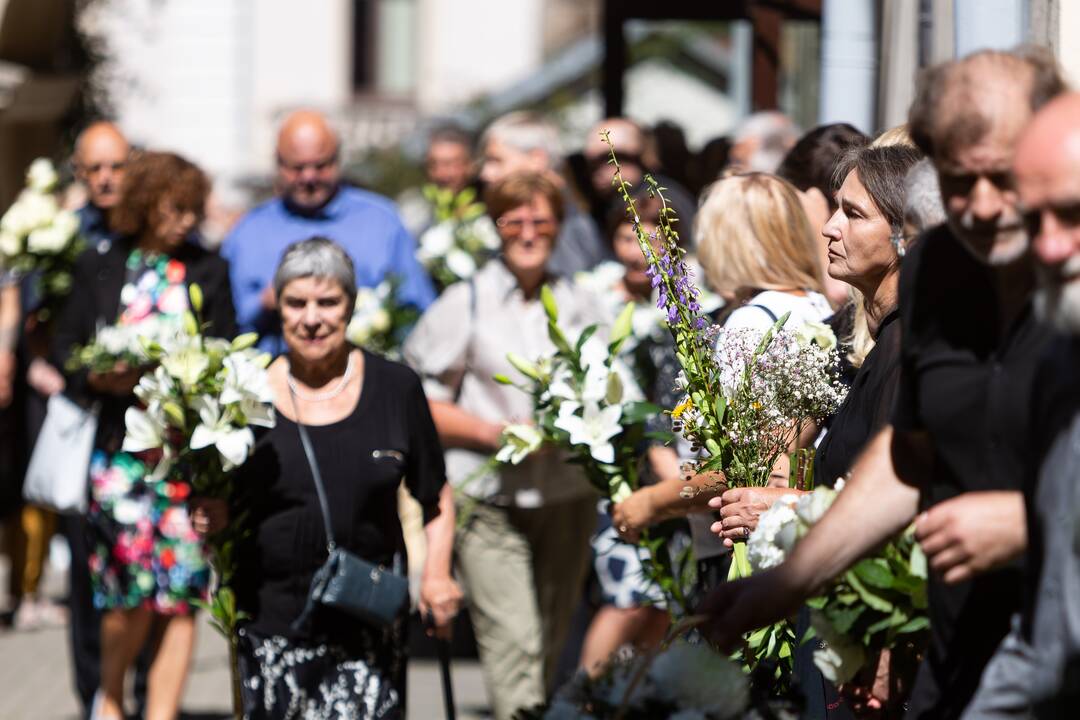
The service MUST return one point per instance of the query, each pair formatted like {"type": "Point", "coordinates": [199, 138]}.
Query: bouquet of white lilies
{"type": "Point", "coordinates": [194, 413]}
{"type": "Point", "coordinates": [586, 401]}
{"type": "Point", "coordinates": [462, 239]}
{"type": "Point", "coordinates": [38, 236]}
{"type": "Point", "coordinates": [879, 603]}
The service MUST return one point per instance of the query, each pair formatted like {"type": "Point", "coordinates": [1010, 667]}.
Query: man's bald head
{"type": "Point", "coordinates": [307, 160]}
{"type": "Point", "coordinates": [967, 117]}
{"type": "Point", "coordinates": [101, 153]}
{"type": "Point", "coordinates": [631, 146]}
{"type": "Point", "coordinates": [1047, 170]}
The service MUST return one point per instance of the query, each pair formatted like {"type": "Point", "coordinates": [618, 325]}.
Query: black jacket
{"type": "Point", "coordinates": [95, 301]}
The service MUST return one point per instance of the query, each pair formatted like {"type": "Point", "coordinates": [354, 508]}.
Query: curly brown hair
{"type": "Point", "coordinates": [150, 178]}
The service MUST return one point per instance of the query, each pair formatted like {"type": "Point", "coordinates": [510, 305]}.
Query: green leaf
{"type": "Point", "coordinates": [195, 293]}
{"type": "Point", "coordinates": [866, 595]}
{"type": "Point", "coordinates": [559, 341]}
{"type": "Point", "coordinates": [915, 624]}
{"type": "Point", "coordinates": [918, 562]}
{"type": "Point", "coordinates": [844, 618]}
{"type": "Point", "coordinates": [898, 617]}
{"type": "Point", "coordinates": [502, 379]}
{"type": "Point", "coordinates": [547, 299]}
{"type": "Point", "coordinates": [584, 337]}
{"type": "Point", "coordinates": [174, 413]}
{"type": "Point", "coordinates": [636, 412]}
{"type": "Point", "coordinates": [875, 573]}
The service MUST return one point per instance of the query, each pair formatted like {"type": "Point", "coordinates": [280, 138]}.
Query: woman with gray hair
{"type": "Point", "coordinates": [350, 426]}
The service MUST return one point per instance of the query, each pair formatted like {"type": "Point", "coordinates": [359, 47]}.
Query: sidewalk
{"type": "Point", "coordinates": [36, 683]}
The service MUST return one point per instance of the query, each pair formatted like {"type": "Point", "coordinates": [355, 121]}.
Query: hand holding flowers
{"type": "Point", "coordinates": [462, 239]}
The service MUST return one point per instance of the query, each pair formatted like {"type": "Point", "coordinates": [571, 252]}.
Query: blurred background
{"type": "Point", "coordinates": [211, 78]}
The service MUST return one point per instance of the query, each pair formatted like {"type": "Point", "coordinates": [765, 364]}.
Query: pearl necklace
{"type": "Point", "coordinates": [325, 395]}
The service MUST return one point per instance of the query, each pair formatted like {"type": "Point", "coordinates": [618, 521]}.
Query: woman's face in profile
{"type": "Point", "coordinates": [860, 248]}
{"type": "Point", "coordinates": [528, 235]}
{"type": "Point", "coordinates": [314, 315]}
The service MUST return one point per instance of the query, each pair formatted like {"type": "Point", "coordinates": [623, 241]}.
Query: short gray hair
{"type": "Point", "coordinates": [316, 257]}
{"type": "Point", "coordinates": [923, 208]}
{"type": "Point", "coordinates": [526, 131]}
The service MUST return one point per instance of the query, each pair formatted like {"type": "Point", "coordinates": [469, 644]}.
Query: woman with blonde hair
{"type": "Point", "coordinates": [758, 251]}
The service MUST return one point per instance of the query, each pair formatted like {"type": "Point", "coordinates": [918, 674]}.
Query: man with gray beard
{"type": "Point", "coordinates": [1036, 671]}
{"type": "Point", "coordinates": [953, 457]}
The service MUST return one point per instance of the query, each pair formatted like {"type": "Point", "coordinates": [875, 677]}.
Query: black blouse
{"type": "Point", "coordinates": [362, 459]}
{"type": "Point", "coordinates": [866, 409]}
{"type": "Point", "coordinates": [967, 384]}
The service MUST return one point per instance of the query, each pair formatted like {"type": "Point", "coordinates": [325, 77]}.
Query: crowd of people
{"type": "Point", "coordinates": [943, 253]}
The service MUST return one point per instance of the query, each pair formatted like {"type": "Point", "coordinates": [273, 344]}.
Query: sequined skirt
{"type": "Point", "coordinates": [288, 679]}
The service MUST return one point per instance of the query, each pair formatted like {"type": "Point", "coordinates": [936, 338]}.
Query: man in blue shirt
{"type": "Point", "coordinates": [312, 202]}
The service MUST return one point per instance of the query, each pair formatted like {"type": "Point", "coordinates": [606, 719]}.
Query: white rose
{"type": "Point", "coordinates": [460, 263]}
{"type": "Point", "coordinates": [812, 506]}
{"type": "Point", "coordinates": [67, 223]}
{"type": "Point", "coordinates": [41, 176]}
{"type": "Point", "coordinates": [10, 244]}
{"type": "Point", "coordinates": [37, 210]}
{"type": "Point", "coordinates": [437, 240]}
{"type": "Point", "coordinates": [47, 241]}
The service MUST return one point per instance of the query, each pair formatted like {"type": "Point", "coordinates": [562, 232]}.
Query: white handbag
{"type": "Point", "coordinates": [60, 464]}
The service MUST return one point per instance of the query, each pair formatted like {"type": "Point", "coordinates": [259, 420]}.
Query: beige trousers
{"type": "Point", "coordinates": [523, 571]}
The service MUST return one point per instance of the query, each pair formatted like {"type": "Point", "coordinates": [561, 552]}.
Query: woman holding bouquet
{"type": "Point", "coordinates": [524, 550]}
{"type": "Point", "coordinates": [147, 563]}
{"type": "Point", "coordinates": [368, 425]}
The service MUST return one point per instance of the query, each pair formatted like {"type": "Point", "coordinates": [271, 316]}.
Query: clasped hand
{"type": "Point", "coordinates": [740, 509]}
{"type": "Point", "coordinates": [441, 598]}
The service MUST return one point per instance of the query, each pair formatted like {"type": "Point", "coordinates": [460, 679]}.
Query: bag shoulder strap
{"type": "Point", "coordinates": [309, 451]}
{"type": "Point", "coordinates": [766, 310]}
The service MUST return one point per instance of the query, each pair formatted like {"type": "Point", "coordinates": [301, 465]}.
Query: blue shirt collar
{"type": "Point", "coordinates": [332, 210]}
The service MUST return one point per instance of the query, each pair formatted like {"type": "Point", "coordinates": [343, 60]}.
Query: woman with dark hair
{"type": "Point", "coordinates": [810, 166]}
{"type": "Point", "coordinates": [147, 563]}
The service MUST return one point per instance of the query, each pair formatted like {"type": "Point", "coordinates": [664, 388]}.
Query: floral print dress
{"type": "Point", "coordinates": [144, 552]}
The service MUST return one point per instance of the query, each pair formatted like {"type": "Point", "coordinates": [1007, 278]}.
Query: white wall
{"type": "Point", "coordinates": [467, 47]}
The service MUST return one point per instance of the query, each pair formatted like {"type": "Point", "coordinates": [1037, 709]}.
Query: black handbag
{"type": "Point", "coordinates": [346, 582]}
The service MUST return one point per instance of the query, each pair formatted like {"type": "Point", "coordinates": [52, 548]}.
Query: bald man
{"type": "Point", "coordinates": [312, 200]}
{"type": "Point", "coordinates": [101, 154]}
{"type": "Point", "coordinates": [635, 158]}
{"type": "Point", "coordinates": [1036, 671]}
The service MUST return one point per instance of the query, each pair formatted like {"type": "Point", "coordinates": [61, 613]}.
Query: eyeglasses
{"type": "Point", "coordinates": [1066, 214]}
{"type": "Point", "coordinates": [514, 226]}
{"type": "Point", "coordinates": [317, 165]}
{"type": "Point", "coordinates": [596, 161]}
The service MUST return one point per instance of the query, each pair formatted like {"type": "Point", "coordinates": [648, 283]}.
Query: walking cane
{"type": "Point", "coordinates": [442, 647]}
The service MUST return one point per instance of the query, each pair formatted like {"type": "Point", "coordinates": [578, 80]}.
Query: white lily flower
{"type": "Point", "coordinates": [816, 332]}
{"type": "Point", "coordinates": [839, 659]}
{"type": "Point", "coordinates": [11, 244]}
{"type": "Point", "coordinates": [484, 229]}
{"type": "Point", "coordinates": [247, 385]}
{"type": "Point", "coordinates": [519, 441]}
{"type": "Point", "coordinates": [460, 263]}
{"type": "Point", "coordinates": [233, 443]}
{"type": "Point", "coordinates": [595, 428]}
{"type": "Point", "coordinates": [186, 365]}
{"type": "Point", "coordinates": [144, 430]}
{"type": "Point", "coordinates": [437, 241]}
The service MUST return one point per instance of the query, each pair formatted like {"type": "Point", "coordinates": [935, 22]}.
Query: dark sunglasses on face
{"type": "Point", "coordinates": [1067, 215]}
{"type": "Point", "coordinates": [624, 159]}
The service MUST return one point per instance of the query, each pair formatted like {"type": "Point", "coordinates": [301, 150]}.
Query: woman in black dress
{"type": "Point", "coordinates": [369, 425]}
{"type": "Point", "coordinates": [147, 564]}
